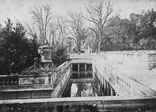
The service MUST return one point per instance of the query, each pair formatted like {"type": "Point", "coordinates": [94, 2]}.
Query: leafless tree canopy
{"type": "Point", "coordinates": [42, 18]}
{"type": "Point", "coordinates": [97, 13]}
{"type": "Point", "coordinates": [48, 31]}
{"type": "Point", "coordinates": [77, 28]}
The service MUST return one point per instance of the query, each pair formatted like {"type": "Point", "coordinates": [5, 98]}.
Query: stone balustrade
{"type": "Point", "coordinates": [59, 72]}
{"type": "Point", "coordinates": [8, 80]}
{"type": "Point", "coordinates": [122, 84]}
{"type": "Point", "coordinates": [34, 86]}
{"type": "Point", "coordinates": [21, 87]}
{"type": "Point", "coordinates": [123, 92]}
{"type": "Point", "coordinates": [11, 80]}
{"type": "Point", "coordinates": [62, 79]}
{"type": "Point", "coordinates": [81, 104]}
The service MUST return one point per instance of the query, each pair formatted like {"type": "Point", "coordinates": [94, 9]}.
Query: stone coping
{"type": "Point", "coordinates": [83, 100]}
{"type": "Point", "coordinates": [22, 76]}
{"type": "Point", "coordinates": [32, 87]}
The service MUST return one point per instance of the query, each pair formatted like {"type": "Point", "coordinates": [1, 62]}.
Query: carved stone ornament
{"type": "Point", "coordinates": [45, 53]}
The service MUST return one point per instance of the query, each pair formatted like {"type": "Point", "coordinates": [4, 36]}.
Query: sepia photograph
{"type": "Point", "coordinates": [77, 55]}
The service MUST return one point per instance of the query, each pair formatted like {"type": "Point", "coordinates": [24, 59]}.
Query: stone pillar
{"type": "Point", "coordinates": [71, 67]}
{"type": "Point", "coordinates": [55, 109]}
{"type": "Point", "coordinates": [71, 70]}
{"type": "Point", "coordinates": [78, 70]}
{"type": "Point", "coordinates": [85, 70]}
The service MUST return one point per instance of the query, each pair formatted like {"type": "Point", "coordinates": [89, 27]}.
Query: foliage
{"type": "Point", "coordinates": [106, 34]}
{"type": "Point", "coordinates": [137, 33]}
{"type": "Point", "coordinates": [17, 52]}
{"type": "Point", "coordinates": [59, 55]}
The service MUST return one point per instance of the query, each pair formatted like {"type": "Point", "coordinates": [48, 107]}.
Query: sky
{"type": "Point", "coordinates": [20, 9]}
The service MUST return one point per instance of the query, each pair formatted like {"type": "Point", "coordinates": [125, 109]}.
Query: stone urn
{"type": "Point", "coordinates": [45, 52]}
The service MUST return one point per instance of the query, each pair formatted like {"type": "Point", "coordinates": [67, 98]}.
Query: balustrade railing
{"type": "Point", "coordinates": [8, 80]}
{"type": "Point", "coordinates": [21, 80]}
{"type": "Point", "coordinates": [62, 78]}
{"type": "Point", "coordinates": [81, 104]}
{"type": "Point", "coordinates": [123, 84]}
{"type": "Point", "coordinates": [59, 73]}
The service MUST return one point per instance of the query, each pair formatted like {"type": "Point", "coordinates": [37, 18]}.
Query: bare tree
{"type": "Point", "coordinates": [31, 31]}
{"type": "Point", "coordinates": [53, 34]}
{"type": "Point", "coordinates": [98, 13]}
{"type": "Point", "coordinates": [77, 28]}
{"type": "Point", "coordinates": [62, 29]}
{"type": "Point", "coordinates": [42, 19]}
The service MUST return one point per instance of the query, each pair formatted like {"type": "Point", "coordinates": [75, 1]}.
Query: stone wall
{"type": "Point", "coordinates": [146, 60]}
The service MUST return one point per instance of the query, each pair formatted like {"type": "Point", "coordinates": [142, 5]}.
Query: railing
{"type": "Point", "coordinates": [59, 73]}
{"type": "Point", "coordinates": [61, 79]}
{"type": "Point", "coordinates": [120, 81]}
{"type": "Point", "coordinates": [8, 80]}
{"type": "Point", "coordinates": [35, 86]}
{"type": "Point", "coordinates": [24, 87]}
{"type": "Point", "coordinates": [24, 82]}
{"type": "Point", "coordinates": [102, 104]}
{"type": "Point", "coordinates": [141, 99]}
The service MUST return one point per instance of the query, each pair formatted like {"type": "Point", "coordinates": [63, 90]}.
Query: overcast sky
{"type": "Point", "coordinates": [20, 9]}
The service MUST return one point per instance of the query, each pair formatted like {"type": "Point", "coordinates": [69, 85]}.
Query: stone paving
{"type": "Point", "coordinates": [147, 78]}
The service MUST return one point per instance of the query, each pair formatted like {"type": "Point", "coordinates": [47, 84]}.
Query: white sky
{"type": "Point", "coordinates": [20, 9]}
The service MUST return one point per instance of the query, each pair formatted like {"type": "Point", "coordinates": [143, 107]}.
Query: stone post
{"type": "Point", "coordinates": [78, 70]}
{"type": "Point", "coordinates": [85, 71]}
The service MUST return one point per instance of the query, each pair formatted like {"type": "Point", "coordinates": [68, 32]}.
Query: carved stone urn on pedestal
{"type": "Point", "coordinates": [45, 53]}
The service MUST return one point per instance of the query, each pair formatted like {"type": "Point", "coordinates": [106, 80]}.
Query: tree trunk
{"type": "Point", "coordinates": [99, 41]}
{"type": "Point", "coordinates": [99, 46]}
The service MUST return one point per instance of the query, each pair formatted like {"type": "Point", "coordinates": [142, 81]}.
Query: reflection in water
{"type": "Point", "coordinates": [74, 89]}
{"type": "Point", "coordinates": [82, 90]}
